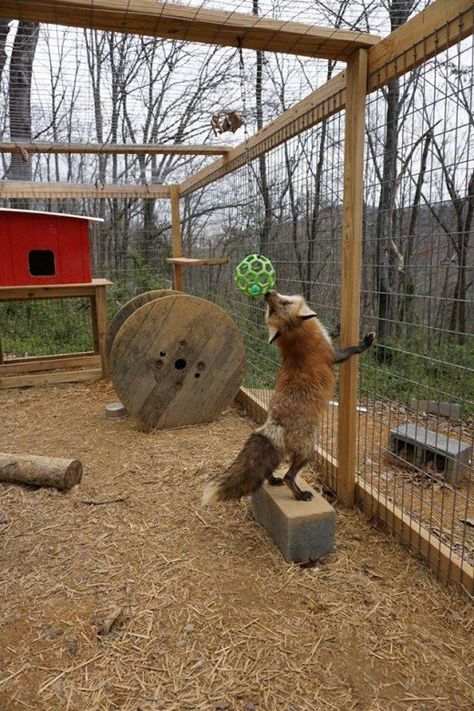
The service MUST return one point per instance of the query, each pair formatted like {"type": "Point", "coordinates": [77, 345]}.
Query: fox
{"type": "Point", "coordinates": [303, 388]}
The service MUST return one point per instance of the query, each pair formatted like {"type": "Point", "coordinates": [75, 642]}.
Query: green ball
{"type": "Point", "coordinates": [255, 275]}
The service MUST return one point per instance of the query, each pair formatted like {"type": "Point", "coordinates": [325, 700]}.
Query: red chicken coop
{"type": "Point", "coordinates": [46, 255]}
{"type": "Point", "coordinates": [44, 248]}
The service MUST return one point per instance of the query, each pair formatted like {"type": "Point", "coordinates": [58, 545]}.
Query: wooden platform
{"type": "Point", "coordinates": [190, 262]}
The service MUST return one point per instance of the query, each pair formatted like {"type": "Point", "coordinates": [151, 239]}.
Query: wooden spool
{"type": "Point", "coordinates": [176, 361]}
{"type": "Point", "coordinates": [122, 315]}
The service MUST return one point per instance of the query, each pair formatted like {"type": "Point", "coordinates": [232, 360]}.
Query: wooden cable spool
{"type": "Point", "coordinates": [178, 360]}
{"type": "Point", "coordinates": [122, 315]}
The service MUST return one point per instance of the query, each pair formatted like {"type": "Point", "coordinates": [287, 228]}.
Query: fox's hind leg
{"type": "Point", "coordinates": [297, 463]}
{"type": "Point", "coordinates": [274, 480]}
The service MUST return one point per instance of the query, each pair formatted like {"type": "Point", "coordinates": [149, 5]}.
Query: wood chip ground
{"type": "Point", "coordinates": [150, 602]}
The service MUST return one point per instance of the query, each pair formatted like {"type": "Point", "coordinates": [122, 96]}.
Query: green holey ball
{"type": "Point", "coordinates": [255, 275]}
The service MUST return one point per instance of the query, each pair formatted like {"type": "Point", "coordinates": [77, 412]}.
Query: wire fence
{"type": "Point", "coordinates": [416, 394]}
{"type": "Point", "coordinates": [416, 387]}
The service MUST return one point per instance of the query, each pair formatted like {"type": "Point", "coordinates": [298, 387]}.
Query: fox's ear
{"type": "Point", "coordinates": [306, 312]}
{"type": "Point", "coordinates": [273, 333]}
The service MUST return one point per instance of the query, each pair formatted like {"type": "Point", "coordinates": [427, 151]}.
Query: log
{"type": "Point", "coordinates": [40, 471]}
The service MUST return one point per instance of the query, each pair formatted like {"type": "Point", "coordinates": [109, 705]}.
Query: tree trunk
{"type": "Point", "coordinates": [19, 94]}
{"type": "Point", "coordinates": [399, 11]}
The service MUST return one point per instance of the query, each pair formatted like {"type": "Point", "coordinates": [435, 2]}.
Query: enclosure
{"type": "Point", "coordinates": [354, 173]}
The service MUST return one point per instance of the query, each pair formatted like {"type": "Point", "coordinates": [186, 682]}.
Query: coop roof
{"type": "Point", "coordinates": [55, 214]}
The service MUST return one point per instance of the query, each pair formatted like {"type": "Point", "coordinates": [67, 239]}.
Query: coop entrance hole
{"type": "Point", "coordinates": [180, 364]}
{"type": "Point", "coordinates": [41, 262]}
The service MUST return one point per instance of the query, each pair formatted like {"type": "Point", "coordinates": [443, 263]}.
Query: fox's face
{"type": "Point", "coordinates": [285, 313]}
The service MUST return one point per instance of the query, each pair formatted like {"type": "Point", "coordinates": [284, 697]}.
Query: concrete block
{"type": "Point", "coordinates": [435, 407]}
{"type": "Point", "coordinates": [303, 530]}
{"type": "Point", "coordinates": [420, 446]}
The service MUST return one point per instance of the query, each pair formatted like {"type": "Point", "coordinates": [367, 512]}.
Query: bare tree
{"type": "Point", "coordinates": [399, 12]}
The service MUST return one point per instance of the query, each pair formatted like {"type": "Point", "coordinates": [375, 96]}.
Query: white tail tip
{"type": "Point", "coordinates": [211, 494]}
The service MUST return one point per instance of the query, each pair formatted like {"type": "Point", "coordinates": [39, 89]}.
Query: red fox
{"type": "Point", "coordinates": [304, 386]}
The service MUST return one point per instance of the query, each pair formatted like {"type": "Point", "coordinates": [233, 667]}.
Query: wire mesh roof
{"type": "Point", "coordinates": [99, 87]}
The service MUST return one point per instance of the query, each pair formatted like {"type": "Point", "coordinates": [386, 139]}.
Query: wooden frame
{"type": "Point", "coordinates": [138, 149]}
{"type": "Point", "coordinates": [21, 372]}
{"type": "Point", "coordinates": [193, 24]}
{"type": "Point", "coordinates": [20, 189]}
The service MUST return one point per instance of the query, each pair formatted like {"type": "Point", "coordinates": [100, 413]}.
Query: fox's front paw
{"type": "Point", "coordinates": [303, 496]}
{"type": "Point", "coordinates": [275, 481]}
{"type": "Point", "coordinates": [369, 339]}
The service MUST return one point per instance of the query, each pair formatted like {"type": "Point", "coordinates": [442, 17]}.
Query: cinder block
{"type": "Point", "coordinates": [435, 407]}
{"type": "Point", "coordinates": [303, 530]}
{"type": "Point", "coordinates": [420, 446]}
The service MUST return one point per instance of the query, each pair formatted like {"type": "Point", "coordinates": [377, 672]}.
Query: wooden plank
{"type": "Point", "coordinates": [190, 262]}
{"type": "Point", "coordinates": [445, 563]}
{"type": "Point", "coordinates": [77, 376]}
{"type": "Point", "coordinates": [127, 310]}
{"type": "Point", "coordinates": [54, 356]}
{"type": "Point", "coordinates": [193, 24]}
{"type": "Point", "coordinates": [99, 325]}
{"type": "Point", "coordinates": [113, 148]}
{"type": "Point", "coordinates": [351, 270]}
{"type": "Point", "coordinates": [443, 24]}
{"type": "Point", "coordinates": [319, 105]}
{"type": "Point", "coordinates": [50, 291]}
{"type": "Point", "coordinates": [18, 189]}
{"type": "Point", "coordinates": [30, 365]}
{"type": "Point", "coordinates": [178, 277]}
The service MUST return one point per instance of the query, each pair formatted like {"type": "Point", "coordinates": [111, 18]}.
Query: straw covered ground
{"type": "Point", "coordinates": [125, 594]}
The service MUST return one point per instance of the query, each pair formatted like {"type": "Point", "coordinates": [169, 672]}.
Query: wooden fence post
{"type": "Point", "coordinates": [178, 279]}
{"type": "Point", "coordinates": [356, 91]}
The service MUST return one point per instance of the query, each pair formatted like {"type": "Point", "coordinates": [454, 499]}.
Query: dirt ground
{"type": "Point", "coordinates": [151, 602]}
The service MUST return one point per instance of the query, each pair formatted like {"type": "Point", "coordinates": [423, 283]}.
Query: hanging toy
{"type": "Point", "coordinates": [255, 275]}
{"type": "Point", "coordinates": [226, 120]}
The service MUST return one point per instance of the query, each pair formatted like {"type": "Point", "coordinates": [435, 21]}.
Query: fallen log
{"type": "Point", "coordinates": [40, 471]}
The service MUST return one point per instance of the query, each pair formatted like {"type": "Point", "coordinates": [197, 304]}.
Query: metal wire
{"type": "Point", "coordinates": [417, 275]}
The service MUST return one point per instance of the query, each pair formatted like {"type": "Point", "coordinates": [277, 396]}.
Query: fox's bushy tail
{"type": "Point", "coordinates": [259, 457]}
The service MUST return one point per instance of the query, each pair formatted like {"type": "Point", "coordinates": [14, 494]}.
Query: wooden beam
{"type": "Point", "coordinates": [178, 277]}
{"type": "Point", "coordinates": [320, 104]}
{"type": "Point", "coordinates": [443, 24]}
{"type": "Point", "coordinates": [113, 148]}
{"type": "Point", "coordinates": [32, 379]}
{"type": "Point", "coordinates": [193, 24]}
{"type": "Point", "coordinates": [351, 270]}
{"type": "Point", "coordinates": [18, 189]}
{"type": "Point", "coordinates": [57, 362]}
{"type": "Point", "coordinates": [50, 291]}
{"type": "Point", "coordinates": [99, 326]}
